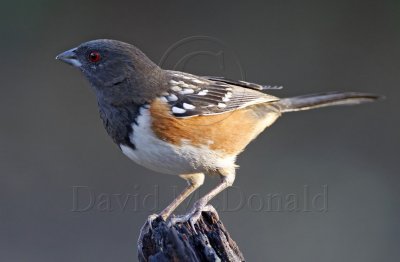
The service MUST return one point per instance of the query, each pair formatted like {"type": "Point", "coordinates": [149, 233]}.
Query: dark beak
{"type": "Point", "coordinates": [69, 57]}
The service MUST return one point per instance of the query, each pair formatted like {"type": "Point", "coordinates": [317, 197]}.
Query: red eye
{"type": "Point", "coordinates": [94, 56]}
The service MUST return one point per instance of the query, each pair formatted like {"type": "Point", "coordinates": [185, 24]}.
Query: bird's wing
{"type": "Point", "coordinates": [242, 83]}
{"type": "Point", "coordinates": [191, 95]}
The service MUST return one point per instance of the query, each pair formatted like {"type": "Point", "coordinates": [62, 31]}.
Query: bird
{"type": "Point", "coordinates": [183, 124]}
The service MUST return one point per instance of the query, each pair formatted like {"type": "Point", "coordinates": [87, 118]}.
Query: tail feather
{"type": "Point", "coordinates": [312, 101]}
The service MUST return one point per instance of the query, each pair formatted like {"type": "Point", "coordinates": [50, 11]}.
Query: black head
{"type": "Point", "coordinates": [118, 71]}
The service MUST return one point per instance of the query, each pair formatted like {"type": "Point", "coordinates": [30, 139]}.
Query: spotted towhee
{"type": "Point", "coordinates": [182, 124]}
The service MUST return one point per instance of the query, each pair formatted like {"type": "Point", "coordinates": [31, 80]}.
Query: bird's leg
{"type": "Point", "coordinates": [228, 177]}
{"type": "Point", "coordinates": [194, 182]}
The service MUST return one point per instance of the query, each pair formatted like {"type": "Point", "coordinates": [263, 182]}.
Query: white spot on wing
{"type": "Point", "coordinates": [188, 106]}
{"type": "Point", "coordinates": [203, 92]}
{"type": "Point", "coordinates": [172, 98]}
{"type": "Point", "coordinates": [198, 81]}
{"type": "Point", "coordinates": [221, 105]}
{"type": "Point", "coordinates": [187, 91]}
{"type": "Point", "coordinates": [177, 110]}
{"type": "Point", "coordinates": [176, 88]}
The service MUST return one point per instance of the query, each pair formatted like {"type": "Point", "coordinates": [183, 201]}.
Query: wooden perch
{"type": "Point", "coordinates": [180, 242]}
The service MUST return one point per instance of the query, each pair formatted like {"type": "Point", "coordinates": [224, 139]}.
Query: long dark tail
{"type": "Point", "coordinates": [306, 102]}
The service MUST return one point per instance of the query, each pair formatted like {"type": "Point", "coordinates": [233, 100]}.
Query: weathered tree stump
{"type": "Point", "coordinates": [210, 242]}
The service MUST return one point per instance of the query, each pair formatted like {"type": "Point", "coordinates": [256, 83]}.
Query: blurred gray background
{"type": "Point", "coordinates": [52, 140]}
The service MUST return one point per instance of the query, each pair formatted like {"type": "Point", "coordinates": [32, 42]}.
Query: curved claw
{"type": "Point", "coordinates": [192, 217]}
{"type": "Point", "coordinates": [178, 219]}
{"type": "Point", "coordinates": [150, 220]}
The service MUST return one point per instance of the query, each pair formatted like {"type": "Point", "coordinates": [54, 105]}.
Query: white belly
{"type": "Point", "coordinates": [163, 157]}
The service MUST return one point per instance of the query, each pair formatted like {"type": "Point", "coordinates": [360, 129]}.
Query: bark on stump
{"type": "Point", "coordinates": [210, 242]}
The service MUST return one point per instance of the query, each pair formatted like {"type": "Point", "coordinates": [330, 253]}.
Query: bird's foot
{"type": "Point", "coordinates": [193, 216]}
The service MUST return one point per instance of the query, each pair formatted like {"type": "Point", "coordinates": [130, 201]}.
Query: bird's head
{"type": "Point", "coordinates": [115, 69]}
